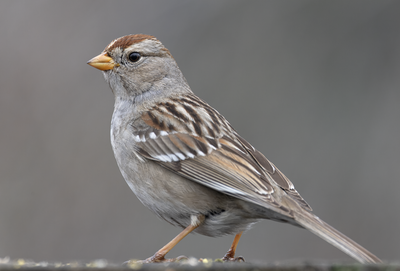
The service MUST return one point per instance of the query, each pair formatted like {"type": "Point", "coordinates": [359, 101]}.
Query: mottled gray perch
{"type": "Point", "coordinates": [194, 265]}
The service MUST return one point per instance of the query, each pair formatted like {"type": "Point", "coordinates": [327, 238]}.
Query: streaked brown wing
{"type": "Point", "coordinates": [218, 169]}
{"type": "Point", "coordinates": [275, 174]}
{"type": "Point", "coordinates": [183, 139]}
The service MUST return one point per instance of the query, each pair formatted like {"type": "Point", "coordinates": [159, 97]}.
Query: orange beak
{"type": "Point", "coordinates": [102, 62]}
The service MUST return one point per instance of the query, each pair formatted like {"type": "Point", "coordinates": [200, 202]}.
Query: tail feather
{"type": "Point", "coordinates": [334, 237]}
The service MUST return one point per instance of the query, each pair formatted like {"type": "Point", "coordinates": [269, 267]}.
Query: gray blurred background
{"type": "Point", "coordinates": [314, 85]}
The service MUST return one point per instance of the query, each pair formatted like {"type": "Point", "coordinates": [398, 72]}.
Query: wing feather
{"type": "Point", "coordinates": [185, 140]}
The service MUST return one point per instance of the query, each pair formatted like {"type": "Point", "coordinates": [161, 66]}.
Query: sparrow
{"type": "Point", "coordinates": [186, 163]}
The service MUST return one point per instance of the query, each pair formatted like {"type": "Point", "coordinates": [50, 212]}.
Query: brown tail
{"type": "Point", "coordinates": [334, 237]}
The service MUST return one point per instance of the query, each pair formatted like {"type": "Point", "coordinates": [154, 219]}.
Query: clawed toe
{"type": "Point", "coordinates": [230, 255]}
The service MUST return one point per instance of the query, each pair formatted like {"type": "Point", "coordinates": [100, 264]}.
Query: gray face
{"type": "Point", "coordinates": [140, 65]}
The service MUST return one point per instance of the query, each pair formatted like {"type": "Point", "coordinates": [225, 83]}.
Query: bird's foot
{"type": "Point", "coordinates": [230, 257]}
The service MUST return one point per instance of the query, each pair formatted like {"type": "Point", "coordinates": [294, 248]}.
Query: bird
{"type": "Point", "coordinates": [185, 161]}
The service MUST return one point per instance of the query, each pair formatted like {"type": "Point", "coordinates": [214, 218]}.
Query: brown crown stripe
{"type": "Point", "coordinates": [128, 40]}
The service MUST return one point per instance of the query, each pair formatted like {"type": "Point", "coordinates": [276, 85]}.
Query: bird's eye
{"type": "Point", "coordinates": [134, 57]}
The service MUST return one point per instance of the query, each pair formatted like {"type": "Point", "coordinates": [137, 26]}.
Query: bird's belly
{"type": "Point", "coordinates": [175, 198]}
